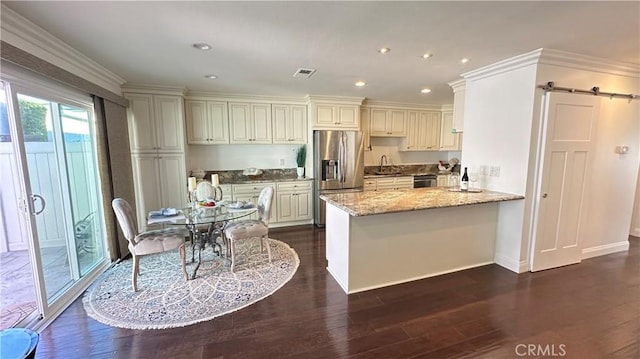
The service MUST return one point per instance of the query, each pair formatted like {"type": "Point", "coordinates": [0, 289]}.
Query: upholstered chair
{"type": "Point", "coordinates": [145, 243]}
{"type": "Point", "coordinates": [252, 228]}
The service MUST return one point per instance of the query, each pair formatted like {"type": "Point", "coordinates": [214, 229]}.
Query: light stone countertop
{"type": "Point", "coordinates": [379, 202]}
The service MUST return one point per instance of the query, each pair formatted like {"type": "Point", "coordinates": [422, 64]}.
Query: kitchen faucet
{"type": "Point", "coordinates": [383, 159]}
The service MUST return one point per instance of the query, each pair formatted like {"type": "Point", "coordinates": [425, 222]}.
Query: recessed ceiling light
{"type": "Point", "coordinates": [426, 55]}
{"type": "Point", "coordinates": [384, 50]}
{"type": "Point", "coordinates": [360, 83]}
{"type": "Point", "coordinates": [212, 77]}
{"type": "Point", "coordinates": [202, 46]}
{"type": "Point", "coordinates": [464, 60]}
{"type": "Point", "coordinates": [425, 90]}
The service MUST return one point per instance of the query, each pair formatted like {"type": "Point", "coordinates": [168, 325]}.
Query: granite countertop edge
{"type": "Point", "coordinates": [266, 180]}
{"type": "Point", "coordinates": [383, 202]}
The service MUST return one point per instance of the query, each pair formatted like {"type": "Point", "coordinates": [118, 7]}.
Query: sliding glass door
{"type": "Point", "coordinates": [55, 152]}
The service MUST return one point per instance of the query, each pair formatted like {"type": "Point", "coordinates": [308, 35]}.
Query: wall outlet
{"type": "Point", "coordinates": [282, 162]}
{"type": "Point", "coordinates": [484, 170]}
{"type": "Point", "coordinates": [494, 171]}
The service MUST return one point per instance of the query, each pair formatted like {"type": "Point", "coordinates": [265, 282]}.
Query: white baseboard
{"type": "Point", "coordinates": [289, 224]}
{"type": "Point", "coordinates": [605, 249]}
{"type": "Point", "coordinates": [511, 264]}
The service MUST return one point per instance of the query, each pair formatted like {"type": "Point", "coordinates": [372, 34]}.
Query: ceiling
{"type": "Point", "coordinates": [257, 46]}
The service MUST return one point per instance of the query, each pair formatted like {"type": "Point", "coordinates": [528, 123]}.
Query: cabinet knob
{"type": "Point", "coordinates": [544, 195]}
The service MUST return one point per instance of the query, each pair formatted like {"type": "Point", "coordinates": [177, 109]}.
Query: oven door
{"type": "Point", "coordinates": [424, 181]}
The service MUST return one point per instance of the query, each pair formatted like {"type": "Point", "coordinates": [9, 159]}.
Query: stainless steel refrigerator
{"type": "Point", "coordinates": [338, 160]}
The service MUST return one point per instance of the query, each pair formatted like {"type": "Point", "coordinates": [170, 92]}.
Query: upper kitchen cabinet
{"type": "Point", "coordinates": [449, 141]}
{"type": "Point", "coordinates": [388, 122]}
{"type": "Point", "coordinates": [458, 87]}
{"type": "Point", "coordinates": [423, 131]}
{"type": "Point", "coordinates": [250, 122]}
{"type": "Point", "coordinates": [155, 122]}
{"type": "Point", "coordinates": [207, 122]}
{"type": "Point", "coordinates": [289, 123]}
{"type": "Point", "coordinates": [334, 113]}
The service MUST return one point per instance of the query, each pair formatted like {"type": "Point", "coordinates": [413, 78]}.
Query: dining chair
{"type": "Point", "coordinates": [149, 242]}
{"type": "Point", "coordinates": [252, 228]}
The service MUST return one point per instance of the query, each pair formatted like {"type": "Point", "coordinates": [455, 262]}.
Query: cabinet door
{"type": "Point", "coordinates": [433, 131]}
{"type": "Point", "coordinates": [442, 181]}
{"type": "Point", "coordinates": [146, 183]}
{"type": "Point", "coordinates": [280, 115]}
{"type": "Point", "coordinates": [240, 122]}
{"type": "Point", "coordinates": [370, 184]}
{"type": "Point", "coordinates": [248, 197]}
{"type": "Point", "coordinates": [378, 122]}
{"type": "Point", "coordinates": [261, 123]}
{"type": "Point", "coordinates": [304, 205]}
{"type": "Point", "coordinates": [142, 126]}
{"type": "Point", "coordinates": [410, 140]}
{"type": "Point", "coordinates": [218, 120]}
{"type": "Point", "coordinates": [448, 141]}
{"type": "Point", "coordinates": [173, 181]}
{"type": "Point", "coordinates": [169, 123]}
{"type": "Point", "coordinates": [196, 119]}
{"type": "Point", "coordinates": [365, 123]}
{"type": "Point", "coordinates": [349, 116]}
{"type": "Point", "coordinates": [286, 207]}
{"type": "Point", "coordinates": [298, 129]}
{"type": "Point", "coordinates": [326, 115]}
{"type": "Point", "coordinates": [396, 122]}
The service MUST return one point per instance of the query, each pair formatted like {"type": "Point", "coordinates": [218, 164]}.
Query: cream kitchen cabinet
{"type": "Point", "coordinates": [155, 123]}
{"type": "Point", "coordinates": [159, 182]}
{"type": "Point", "coordinates": [449, 141]}
{"type": "Point", "coordinates": [423, 131]}
{"type": "Point", "coordinates": [370, 184]}
{"type": "Point", "coordinates": [289, 124]}
{"type": "Point", "coordinates": [295, 201]}
{"type": "Point", "coordinates": [459, 90]}
{"type": "Point", "coordinates": [365, 118]}
{"type": "Point", "coordinates": [388, 122]}
{"type": "Point", "coordinates": [336, 117]}
{"type": "Point", "coordinates": [250, 122]}
{"type": "Point", "coordinates": [442, 180]}
{"type": "Point", "coordinates": [394, 183]}
{"type": "Point", "coordinates": [207, 122]}
{"type": "Point", "coordinates": [251, 193]}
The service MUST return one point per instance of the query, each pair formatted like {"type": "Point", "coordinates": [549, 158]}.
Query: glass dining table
{"type": "Point", "coordinates": [206, 226]}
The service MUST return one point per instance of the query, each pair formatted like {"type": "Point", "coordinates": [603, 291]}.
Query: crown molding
{"type": "Point", "coordinates": [29, 37]}
{"type": "Point", "coordinates": [589, 63]}
{"type": "Point", "coordinates": [458, 84]}
{"type": "Point", "coordinates": [402, 106]}
{"type": "Point", "coordinates": [153, 89]}
{"type": "Point", "coordinates": [555, 58]}
{"type": "Point", "coordinates": [510, 64]}
{"type": "Point", "coordinates": [447, 107]}
{"type": "Point", "coordinates": [334, 99]}
{"type": "Point", "coordinates": [219, 96]}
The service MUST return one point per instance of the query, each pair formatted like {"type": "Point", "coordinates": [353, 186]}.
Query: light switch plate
{"type": "Point", "coordinates": [494, 171]}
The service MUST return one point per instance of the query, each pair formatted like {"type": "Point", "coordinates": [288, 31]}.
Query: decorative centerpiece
{"type": "Point", "coordinates": [301, 157]}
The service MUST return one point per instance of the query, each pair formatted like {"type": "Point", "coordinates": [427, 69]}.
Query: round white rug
{"type": "Point", "coordinates": [165, 300]}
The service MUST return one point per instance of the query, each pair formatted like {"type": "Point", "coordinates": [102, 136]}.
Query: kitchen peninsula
{"type": "Point", "coordinates": [376, 239]}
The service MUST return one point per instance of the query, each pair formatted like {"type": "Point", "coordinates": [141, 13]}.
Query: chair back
{"type": "Point", "coordinates": [126, 219]}
{"type": "Point", "coordinates": [264, 204]}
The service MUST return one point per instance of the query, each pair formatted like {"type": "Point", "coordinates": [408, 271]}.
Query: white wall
{"type": "Point", "coordinates": [497, 132]}
{"type": "Point", "coordinates": [237, 157]}
{"type": "Point", "coordinates": [389, 146]}
{"type": "Point", "coordinates": [614, 176]}
{"type": "Point", "coordinates": [635, 222]}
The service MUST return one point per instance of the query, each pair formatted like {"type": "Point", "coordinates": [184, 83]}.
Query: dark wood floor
{"type": "Point", "coordinates": [589, 310]}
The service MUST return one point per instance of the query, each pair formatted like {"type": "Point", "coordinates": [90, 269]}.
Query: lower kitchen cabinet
{"type": "Point", "coordinates": [389, 183]}
{"type": "Point", "coordinates": [251, 193]}
{"type": "Point", "coordinates": [159, 182]}
{"type": "Point", "coordinates": [295, 201]}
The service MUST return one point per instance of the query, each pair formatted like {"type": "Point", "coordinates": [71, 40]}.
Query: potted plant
{"type": "Point", "coordinates": [301, 157]}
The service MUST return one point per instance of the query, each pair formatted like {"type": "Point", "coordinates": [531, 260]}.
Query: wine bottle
{"type": "Point", "coordinates": [464, 181]}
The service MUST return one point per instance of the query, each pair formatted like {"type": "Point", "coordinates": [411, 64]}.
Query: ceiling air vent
{"type": "Point", "coordinates": [304, 73]}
